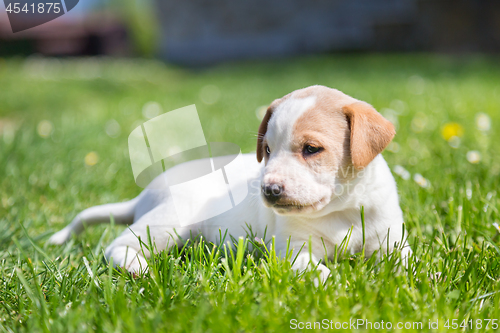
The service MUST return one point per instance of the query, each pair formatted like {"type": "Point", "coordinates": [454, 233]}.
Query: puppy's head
{"type": "Point", "coordinates": [314, 140]}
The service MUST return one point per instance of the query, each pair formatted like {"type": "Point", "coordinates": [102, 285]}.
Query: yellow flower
{"type": "Point", "coordinates": [451, 130]}
{"type": "Point", "coordinates": [91, 159]}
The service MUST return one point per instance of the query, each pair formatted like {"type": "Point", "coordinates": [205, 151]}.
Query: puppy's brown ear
{"type": "Point", "coordinates": [370, 133]}
{"type": "Point", "coordinates": [262, 132]}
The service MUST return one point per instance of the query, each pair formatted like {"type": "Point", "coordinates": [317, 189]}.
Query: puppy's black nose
{"type": "Point", "coordinates": [272, 192]}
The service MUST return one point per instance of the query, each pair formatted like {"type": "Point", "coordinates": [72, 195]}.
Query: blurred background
{"type": "Point", "coordinates": [198, 32]}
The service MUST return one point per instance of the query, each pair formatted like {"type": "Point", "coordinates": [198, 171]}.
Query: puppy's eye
{"type": "Point", "coordinates": [311, 149]}
{"type": "Point", "coordinates": [268, 150]}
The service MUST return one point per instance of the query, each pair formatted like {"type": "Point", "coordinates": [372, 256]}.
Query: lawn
{"type": "Point", "coordinates": [63, 147]}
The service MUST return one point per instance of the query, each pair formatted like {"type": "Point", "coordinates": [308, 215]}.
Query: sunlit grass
{"type": "Point", "coordinates": [63, 147]}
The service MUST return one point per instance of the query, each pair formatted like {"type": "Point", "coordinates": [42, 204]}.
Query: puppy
{"type": "Point", "coordinates": [318, 162]}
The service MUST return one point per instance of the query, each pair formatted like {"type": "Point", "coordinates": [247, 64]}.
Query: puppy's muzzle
{"type": "Point", "coordinates": [272, 192]}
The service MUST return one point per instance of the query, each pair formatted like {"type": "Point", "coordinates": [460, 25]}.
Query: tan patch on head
{"type": "Point", "coordinates": [353, 133]}
{"type": "Point", "coordinates": [324, 128]}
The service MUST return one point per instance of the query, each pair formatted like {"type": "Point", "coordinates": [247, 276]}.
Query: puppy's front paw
{"type": "Point", "coordinates": [138, 266]}
{"type": "Point", "coordinates": [128, 258]}
{"type": "Point", "coordinates": [60, 237]}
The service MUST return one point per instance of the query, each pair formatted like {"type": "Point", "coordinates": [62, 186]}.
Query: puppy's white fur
{"type": "Point", "coordinates": [322, 193]}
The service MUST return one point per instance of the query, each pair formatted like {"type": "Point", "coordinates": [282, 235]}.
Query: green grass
{"type": "Point", "coordinates": [44, 182]}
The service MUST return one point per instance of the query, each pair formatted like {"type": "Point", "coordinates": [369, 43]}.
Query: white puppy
{"type": "Point", "coordinates": [317, 164]}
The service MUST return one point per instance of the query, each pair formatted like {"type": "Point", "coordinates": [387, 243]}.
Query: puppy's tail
{"type": "Point", "coordinates": [122, 212]}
